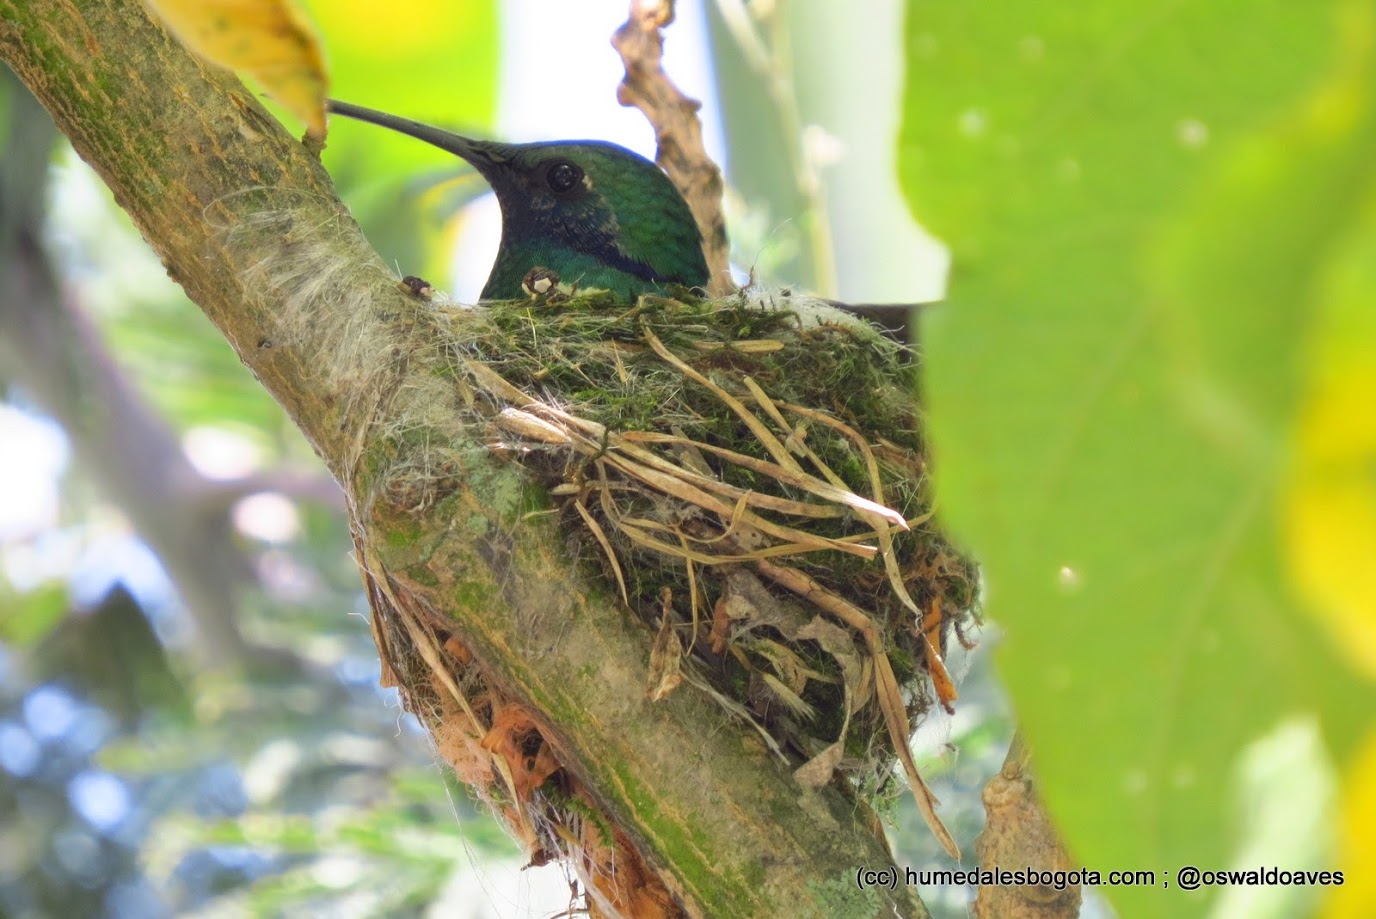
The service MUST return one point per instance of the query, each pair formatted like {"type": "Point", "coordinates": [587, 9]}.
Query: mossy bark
{"type": "Point", "coordinates": [191, 156]}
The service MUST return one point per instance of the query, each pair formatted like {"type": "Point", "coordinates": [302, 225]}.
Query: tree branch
{"type": "Point", "coordinates": [246, 219]}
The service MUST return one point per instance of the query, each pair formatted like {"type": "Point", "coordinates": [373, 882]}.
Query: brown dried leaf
{"type": "Point", "coordinates": [458, 742]}
{"type": "Point", "coordinates": [617, 880]}
{"type": "Point", "coordinates": [886, 686]}
{"type": "Point", "coordinates": [596, 529]}
{"type": "Point", "coordinates": [458, 650]}
{"type": "Point", "coordinates": [837, 642]}
{"type": "Point", "coordinates": [817, 771]}
{"type": "Point", "coordinates": [524, 424]}
{"type": "Point", "coordinates": [666, 655]}
{"type": "Point", "coordinates": [896, 717]}
{"type": "Point", "coordinates": [931, 638]}
{"type": "Point", "coordinates": [721, 625]}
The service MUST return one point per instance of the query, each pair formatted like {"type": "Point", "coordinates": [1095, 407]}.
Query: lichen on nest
{"type": "Point", "coordinates": [750, 474]}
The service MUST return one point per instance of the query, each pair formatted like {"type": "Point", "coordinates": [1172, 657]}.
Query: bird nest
{"type": "Point", "coordinates": [751, 476]}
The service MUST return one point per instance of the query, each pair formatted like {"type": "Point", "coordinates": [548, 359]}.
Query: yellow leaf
{"type": "Point", "coordinates": [1356, 899]}
{"type": "Point", "coordinates": [1331, 502]}
{"type": "Point", "coordinates": [270, 40]}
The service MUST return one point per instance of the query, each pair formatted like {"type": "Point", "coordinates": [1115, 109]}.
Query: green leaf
{"type": "Point", "coordinates": [30, 617]}
{"type": "Point", "coordinates": [1141, 201]}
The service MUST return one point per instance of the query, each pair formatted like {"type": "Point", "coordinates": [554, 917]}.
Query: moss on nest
{"type": "Point", "coordinates": [748, 468]}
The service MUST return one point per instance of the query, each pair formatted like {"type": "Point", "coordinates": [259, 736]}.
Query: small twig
{"type": "Point", "coordinates": [678, 131]}
{"type": "Point", "coordinates": [596, 529]}
{"type": "Point", "coordinates": [891, 704]}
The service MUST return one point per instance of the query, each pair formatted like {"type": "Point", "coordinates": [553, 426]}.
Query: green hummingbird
{"type": "Point", "coordinates": [597, 214]}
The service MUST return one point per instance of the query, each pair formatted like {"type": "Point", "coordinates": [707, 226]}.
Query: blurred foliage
{"type": "Point", "coordinates": [1156, 215]}
{"type": "Point", "coordinates": [291, 791]}
{"type": "Point", "coordinates": [429, 60]}
{"type": "Point", "coordinates": [810, 110]}
{"type": "Point", "coordinates": [131, 785]}
{"type": "Point", "coordinates": [752, 53]}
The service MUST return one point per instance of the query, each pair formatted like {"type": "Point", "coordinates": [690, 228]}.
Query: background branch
{"type": "Point", "coordinates": [49, 347]}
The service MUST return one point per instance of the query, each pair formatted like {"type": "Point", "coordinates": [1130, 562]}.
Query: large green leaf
{"type": "Point", "coordinates": [1142, 201]}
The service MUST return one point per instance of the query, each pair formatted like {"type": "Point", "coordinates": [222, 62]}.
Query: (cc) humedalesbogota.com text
{"type": "Point", "coordinates": [1187, 877]}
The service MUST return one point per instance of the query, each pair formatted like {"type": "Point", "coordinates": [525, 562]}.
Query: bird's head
{"type": "Point", "coordinates": [597, 214]}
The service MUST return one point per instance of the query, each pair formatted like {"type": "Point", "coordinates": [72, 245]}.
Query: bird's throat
{"type": "Point", "coordinates": [579, 270]}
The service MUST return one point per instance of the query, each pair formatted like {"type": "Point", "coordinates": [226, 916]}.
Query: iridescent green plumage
{"type": "Point", "coordinates": [597, 214]}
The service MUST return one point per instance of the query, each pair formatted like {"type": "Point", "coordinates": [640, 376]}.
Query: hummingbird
{"type": "Point", "coordinates": [594, 213]}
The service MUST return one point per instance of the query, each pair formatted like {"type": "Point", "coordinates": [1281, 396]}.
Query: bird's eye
{"type": "Point", "coordinates": [563, 176]}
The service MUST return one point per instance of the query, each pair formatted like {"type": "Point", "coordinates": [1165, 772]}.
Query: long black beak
{"type": "Point", "coordinates": [482, 154]}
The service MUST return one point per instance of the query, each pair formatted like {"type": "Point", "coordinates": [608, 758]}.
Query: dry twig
{"type": "Point", "coordinates": [678, 132]}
